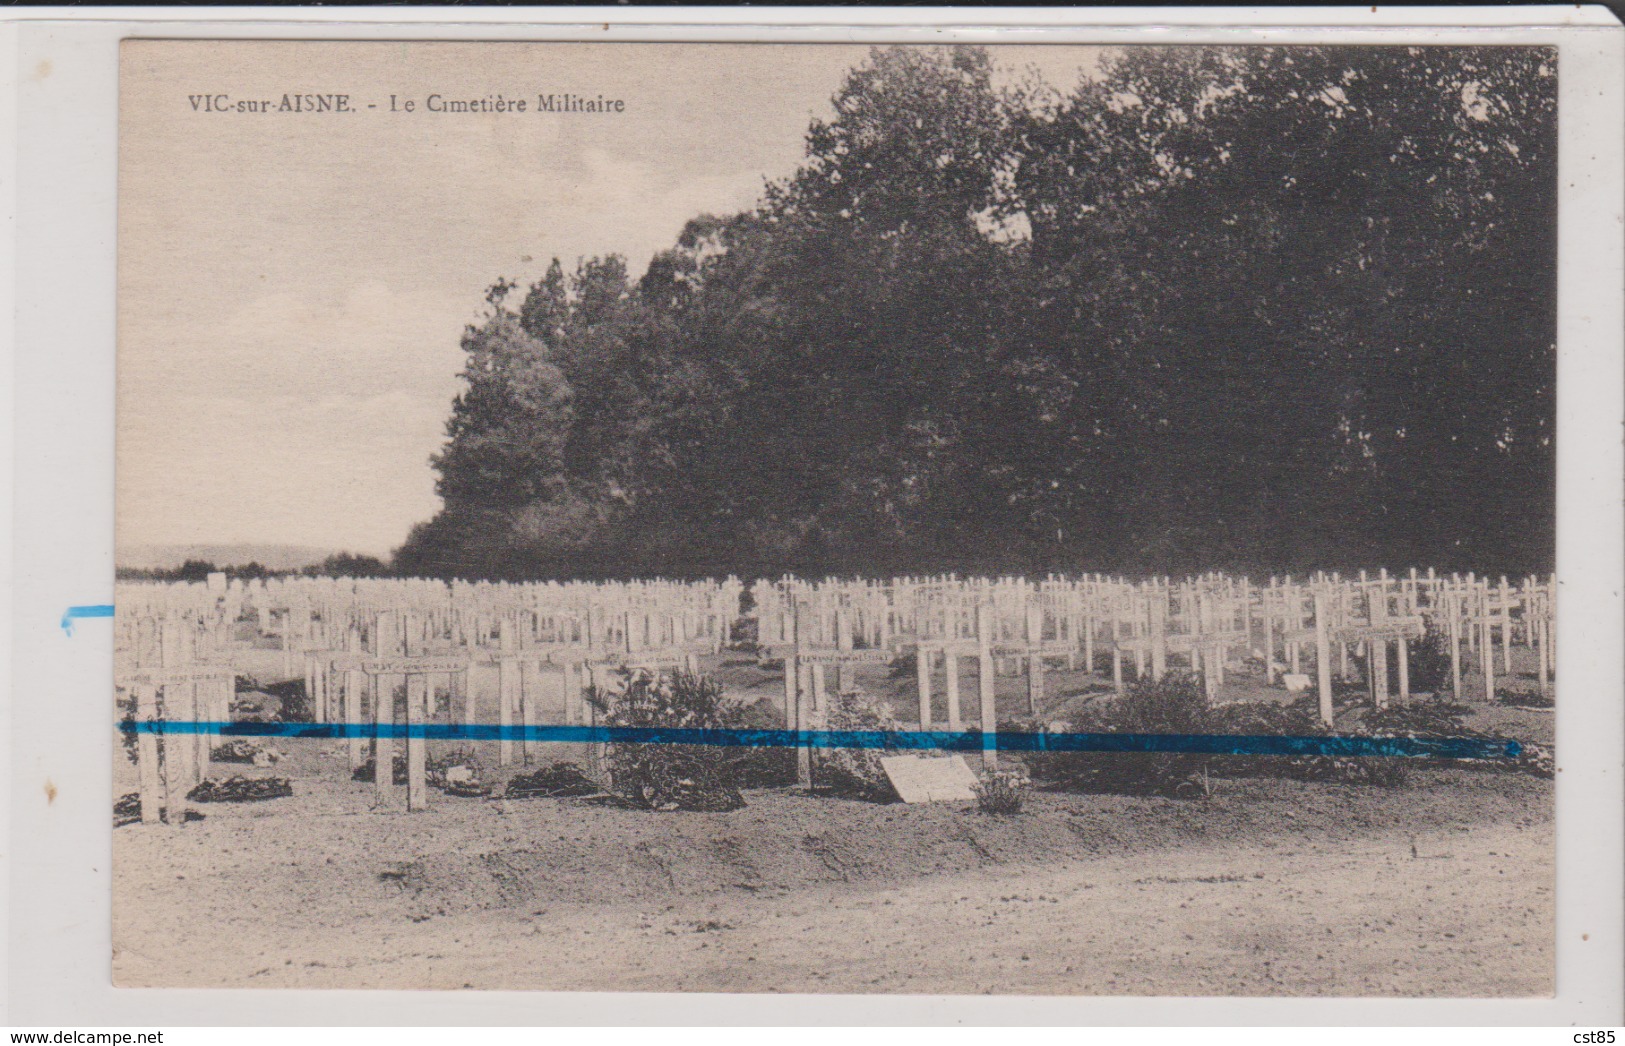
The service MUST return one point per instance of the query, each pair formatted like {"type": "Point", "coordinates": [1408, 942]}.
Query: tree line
{"type": "Point", "coordinates": [1267, 309]}
{"type": "Point", "coordinates": [340, 564]}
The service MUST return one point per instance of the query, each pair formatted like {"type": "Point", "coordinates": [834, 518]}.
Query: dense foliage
{"type": "Point", "coordinates": [1213, 308]}
{"type": "Point", "coordinates": [1175, 704]}
{"type": "Point", "coordinates": [340, 564]}
{"type": "Point", "coordinates": [663, 776]}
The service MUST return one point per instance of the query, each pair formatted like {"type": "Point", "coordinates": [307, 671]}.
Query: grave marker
{"type": "Point", "coordinates": [930, 779]}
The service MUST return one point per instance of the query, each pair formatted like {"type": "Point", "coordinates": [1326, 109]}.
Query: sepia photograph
{"type": "Point", "coordinates": [1009, 519]}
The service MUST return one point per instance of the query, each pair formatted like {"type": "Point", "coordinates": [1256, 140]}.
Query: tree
{"type": "Point", "coordinates": [193, 570]}
{"type": "Point", "coordinates": [1282, 265]}
{"type": "Point", "coordinates": [1268, 308]}
{"type": "Point", "coordinates": [509, 426]}
{"type": "Point", "coordinates": [877, 294]}
{"type": "Point", "coordinates": [346, 564]}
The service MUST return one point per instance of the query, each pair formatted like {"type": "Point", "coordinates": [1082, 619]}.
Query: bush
{"type": "Point", "coordinates": [1377, 770]}
{"type": "Point", "coordinates": [762, 766]}
{"type": "Point", "coordinates": [1302, 719]}
{"type": "Point", "coordinates": [744, 635]}
{"type": "Point", "coordinates": [1523, 698]}
{"type": "Point", "coordinates": [856, 772]}
{"type": "Point", "coordinates": [555, 781]}
{"type": "Point", "coordinates": [1175, 704]}
{"type": "Point", "coordinates": [1039, 764]}
{"type": "Point", "coordinates": [127, 735]}
{"type": "Point", "coordinates": [670, 776]}
{"type": "Point", "coordinates": [295, 706]}
{"type": "Point", "coordinates": [242, 750]}
{"type": "Point", "coordinates": [128, 740]}
{"type": "Point", "coordinates": [367, 771]}
{"type": "Point", "coordinates": [442, 773]}
{"type": "Point", "coordinates": [241, 790]}
{"type": "Point", "coordinates": [1002, 792]}
{"type": "Point", "coordinates": [1429, 664]}
{"type": "Point", "coordinates": [1102, 666]}
{"type": "Point", "coordinates": [1266, 719]}
{"type": "Point", "coordinates": [127, 810]}
{"type": "Point", "coordinates": [1436, 718]}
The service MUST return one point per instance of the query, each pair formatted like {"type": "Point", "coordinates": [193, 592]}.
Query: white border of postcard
{"type": "Point", "coordinates": [58, 133]}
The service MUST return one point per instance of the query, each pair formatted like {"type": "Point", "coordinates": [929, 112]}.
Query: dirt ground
{"type": "Point", "coordinates": [1270, 887]}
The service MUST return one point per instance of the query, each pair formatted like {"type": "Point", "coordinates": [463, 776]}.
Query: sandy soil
{"type": "Point", "coordinates": [1268, 888]}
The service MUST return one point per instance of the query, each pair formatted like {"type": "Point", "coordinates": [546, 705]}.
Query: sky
{"type": "Point", "coordinates": [293, 286]}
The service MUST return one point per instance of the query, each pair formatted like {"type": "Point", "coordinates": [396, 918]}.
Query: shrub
{"type": "Point", "coordinates": [367, 770]}
{"type": "Point", "coordinates": [1175, 704]}
{"type": "Point", "coordinates": [856, 772]}
{"type": "Point", "coordinates": [241, 790]}
{"type": "Point", "coordinates": [1436, 718]}
{"type": "Point", "coordinates": [1524, 698]}
{"type": "Point", "coordinates": [1267, 718]}
{"type": "Point", "coordinates": [745, 635]}
{"type": "Point", "coordinates": [1039, 764]}
{"type": "Point", "coordinates": [1351, 687]}
{"type": "Point", "coordinates": [437, 772]}
{"type": "Point", "coordinates": [1427, 665]}
{"type": "Point", "coordinates": [128, 740]}
{"type": "Point", "coordinates": [127, 809]}
{"type": "Point", "coordinates": [557, 780]}
{"type": "Point", "coordinates": [242, 750]}
{"type": "Point", "coordinates": [762, 766]}
{"type": "Point", "coordinates": [1300, 718]}
{"type": "Point", "coordinates": [295, 706]}
{"type": "Point", "coordinates": [1442, 719]}
{"type": "Point", "coordinates": [1002, 792]}
{"type": "Point", "coordinates": [670, 776]}
{"type": "Point", "coordinates": [127, 735]}
{"type": "Point", "coordinates": [1377, 770]}
{"type": "Point", "coordinates": [1429, 661]}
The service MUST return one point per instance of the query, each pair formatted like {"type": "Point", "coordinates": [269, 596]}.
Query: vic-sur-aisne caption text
{"type": "Point", "coordinates": [544, 103]}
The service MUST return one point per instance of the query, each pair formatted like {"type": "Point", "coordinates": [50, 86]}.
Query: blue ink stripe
{"type": "Point", "coordinates": [95, 610]}
{"type": "Point", "coordinates": [951, 741]}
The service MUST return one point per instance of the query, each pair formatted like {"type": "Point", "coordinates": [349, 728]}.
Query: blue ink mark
{"type": "Point", "coordinates": [950, 741]}
{"type": "Point", "coordinates": [97, 610]}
